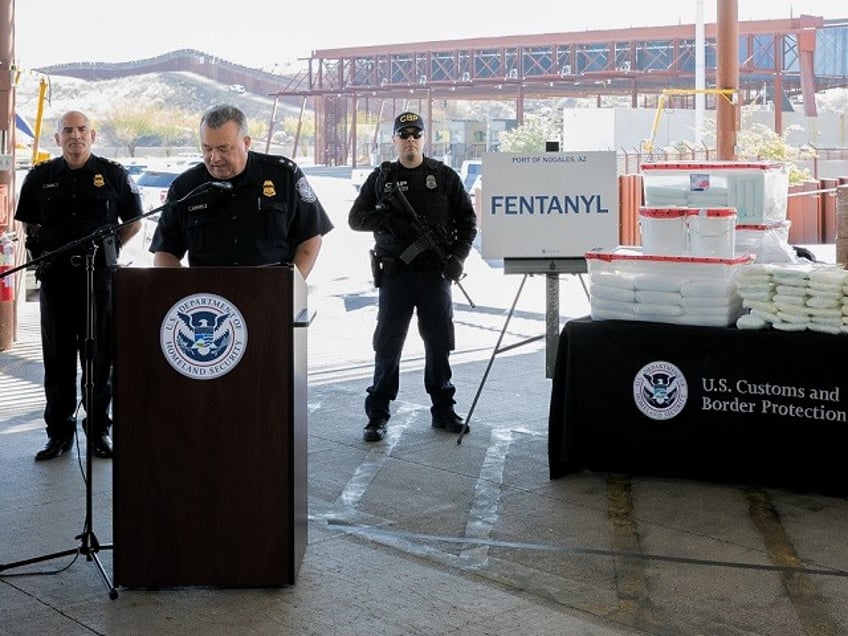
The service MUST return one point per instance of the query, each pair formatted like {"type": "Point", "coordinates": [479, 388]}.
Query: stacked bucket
{"type": "Point", "coordinates": [714, 205]}
{"type": "Point", "coordinates": [702, 223]}
{"type": "Point", "coordinates": [704, 232]}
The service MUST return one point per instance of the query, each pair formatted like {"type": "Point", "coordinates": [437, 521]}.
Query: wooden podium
{"type": "Point", "coordinates": [210, 480]}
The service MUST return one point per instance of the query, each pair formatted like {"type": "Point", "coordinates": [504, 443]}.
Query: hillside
{"type": "Point", "coordinates": [178, 90]}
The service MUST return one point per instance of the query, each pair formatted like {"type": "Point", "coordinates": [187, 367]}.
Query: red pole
{"type": "Point", "coordinates": [7, 148]}
{"type": "Point", "coordinates": [727, 77]}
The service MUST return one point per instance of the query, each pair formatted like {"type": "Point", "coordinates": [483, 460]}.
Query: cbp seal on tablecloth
{"type": "Point", "coordinates": [203, 336]}
{"type": "Point", "coordinates": [660, 390]}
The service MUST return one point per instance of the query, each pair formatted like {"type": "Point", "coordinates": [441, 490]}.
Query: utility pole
{"type": "Point", "coordinates": [8, 314]}
{"type": "Point", "coordinates": [727, 77]}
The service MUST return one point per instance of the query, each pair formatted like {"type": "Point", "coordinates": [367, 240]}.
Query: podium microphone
{"type": "Point", "coordinates": [221, 186]}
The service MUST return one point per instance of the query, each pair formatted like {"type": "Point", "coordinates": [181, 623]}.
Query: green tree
{"type": "Point", "coordinates": [175, 127]}
{"type": "Point", "coordinates": [306, 131]}
{"type": "Point", "coordinates": [760, 142]}
{"type": "Point", "coordinates": [131, 125]}
{"type": "Point", "coordinates": [531, 135]}
{"type": "Point", "coordinates": [125, 124]}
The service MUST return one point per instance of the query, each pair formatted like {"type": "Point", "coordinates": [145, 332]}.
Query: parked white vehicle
{"type": "Point", "coordinates": [157, 177]}
{"type": "Point", "coordinates": [468, 173]}
{"type": "Point", "coordinates": [153, 185]}
{"type": "Point", "coordinates": [135, 166]}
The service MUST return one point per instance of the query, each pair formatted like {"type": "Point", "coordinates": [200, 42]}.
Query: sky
{"type": "Point", "coordinates": [264, 33]}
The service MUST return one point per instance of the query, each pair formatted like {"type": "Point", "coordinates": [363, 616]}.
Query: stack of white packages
{"type": "Point", "coordinates": [685, 300]}
{"type": "Point", "coordinates": [711, 303]}
{"type": "Point", "coordinates": [791, 291]}
{"type": "Point", "coordinates": [794, 297]}
{"type": "Point", "coordinates": [756, 287]}
{"type": "Point", "coordinates": [612, 296]}
{"type": "Point", "coordinates": [757, 190]}
{"type": "Point", "coordinates": [827, 299]}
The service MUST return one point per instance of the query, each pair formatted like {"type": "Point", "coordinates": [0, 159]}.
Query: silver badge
{"type": "Point", "coordinates": [431, 182]}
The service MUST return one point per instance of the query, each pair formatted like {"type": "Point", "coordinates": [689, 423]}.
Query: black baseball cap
{"type": "Point", "coordinates": [408, 120]}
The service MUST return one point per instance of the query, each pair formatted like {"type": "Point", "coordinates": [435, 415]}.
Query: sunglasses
{"type": "Point", "coordinates": [406, 134]}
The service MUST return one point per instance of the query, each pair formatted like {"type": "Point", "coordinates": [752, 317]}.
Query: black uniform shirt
{"type": "Point", "coordinates": [270, 210]}
{"type": "Point", "coordinates": [71, 204]}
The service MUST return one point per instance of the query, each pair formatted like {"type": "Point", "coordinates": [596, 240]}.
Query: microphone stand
{"type": "Point", "coordinates": [110, 230]}
{"type": "Point", "coordinates": [89, 545]}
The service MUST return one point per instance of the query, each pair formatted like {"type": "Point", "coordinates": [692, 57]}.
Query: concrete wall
{"type": "Point", "coordinates": [627, 128]}
{"type": "Point", "coordinates": [624, 128]}
{"type": "Point", "coordinates": [589, 129]}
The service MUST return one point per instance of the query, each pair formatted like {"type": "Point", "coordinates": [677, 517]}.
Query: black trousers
{"type": "Point", "coordinates": [64, 308]}
{"type": "Point", "coordinates": [401, 293]}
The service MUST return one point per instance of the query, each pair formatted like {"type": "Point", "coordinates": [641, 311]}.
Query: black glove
{"type": "Point", "coordinates": [452, 268]}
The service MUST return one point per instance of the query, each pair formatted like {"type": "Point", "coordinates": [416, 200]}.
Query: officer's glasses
{"type": "Point", "coordinates": [406, 134]}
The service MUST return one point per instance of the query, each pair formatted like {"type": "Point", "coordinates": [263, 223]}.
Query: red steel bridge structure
{"type": "Point", "coordinates": [796, 55]}
{"type": "Point", "coordinates": [785, 56]}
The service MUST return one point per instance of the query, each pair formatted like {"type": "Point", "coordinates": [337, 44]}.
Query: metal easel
{"type": "Point", "coordinates": [551, 268]}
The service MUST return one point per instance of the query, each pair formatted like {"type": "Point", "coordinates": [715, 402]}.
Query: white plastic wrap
{"type": "Point", "coordinates": [671, 289]}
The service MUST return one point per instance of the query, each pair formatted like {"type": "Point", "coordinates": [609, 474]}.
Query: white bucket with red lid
{"type": "Point", "coordinates": [711, 232]}
{"type": "Point", "coordinates": [663, 230]}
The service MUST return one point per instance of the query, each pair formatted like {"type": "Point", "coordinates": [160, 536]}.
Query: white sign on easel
{"type": "Point", "coordinates": [548, 205]}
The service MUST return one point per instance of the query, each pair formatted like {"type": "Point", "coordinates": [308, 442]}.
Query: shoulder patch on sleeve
{"type": "Point", "coordinates": [305, 191]}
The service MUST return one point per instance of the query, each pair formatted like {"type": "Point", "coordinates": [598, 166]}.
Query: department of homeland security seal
{"type": "Point", "coordinates": [203, 336]}
{"type": "Point", "coordinates": [660, 390]}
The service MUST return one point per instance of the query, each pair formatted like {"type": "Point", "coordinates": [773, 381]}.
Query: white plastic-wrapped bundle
{"type": "Point", "coordinates": [791, 292]}
{"type": "Point", "coordinates": [829, 299]}
{"type": "Point", "coordinates": [794, 297]}
{"type": "Point", "coordinates": [764, 310]}
{"type": "Point", "coordinates": [756, 288]}
{"type": "Point", "coordinates": [751, 321]}
{"type": "Point", "coordinates": [758, 190]}
{"type": "Point", "coordinates": [769, 243]}
{"type": "Point", "coordinates": [826, 298]}
{"type": "Point", "coordinates": [672, 289]}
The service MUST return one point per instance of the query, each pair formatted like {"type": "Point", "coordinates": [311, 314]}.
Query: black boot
{"type": "Point", "coordinates": [53, 448]}
{"type": "Point", "coordinates": [450, 421]}
{"type": "Point", "coordinates": [375, 430]}
{"type": "Point", "coordinates": [101, 443]}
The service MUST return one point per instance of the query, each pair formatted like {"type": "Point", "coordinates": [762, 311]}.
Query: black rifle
{"type": "Point", "coordinates": [428, 237]}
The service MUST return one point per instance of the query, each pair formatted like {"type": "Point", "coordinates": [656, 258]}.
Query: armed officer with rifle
{"type": "Point", "coordinates": [423, 224]}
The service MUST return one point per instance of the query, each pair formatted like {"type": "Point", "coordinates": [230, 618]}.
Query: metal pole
{"type": "Point", "coordinates": [700, 83]}
{"type": "Point", "coordinates": [842, 225]}
{"type": "Point", "coordinates": [7, 105]}
{"type": "Point", "coordinates": [8, 326]}
{"type": "Point", "coordinates": [551, 323]}
{"type": "Point", "coordinates": [727, 109]}
{"type": "Point", "coordinates": [271, 125]}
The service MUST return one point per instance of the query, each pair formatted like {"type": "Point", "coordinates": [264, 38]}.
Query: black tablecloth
{"type": "Point", "coordinates": [763, 407]}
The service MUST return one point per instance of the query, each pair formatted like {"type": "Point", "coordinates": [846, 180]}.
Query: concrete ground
{"type": "Point", "coordinates": [417, 535]}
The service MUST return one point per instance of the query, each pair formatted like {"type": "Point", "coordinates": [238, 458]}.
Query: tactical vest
{"type": "Point", "coordinates": [427, 195]}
